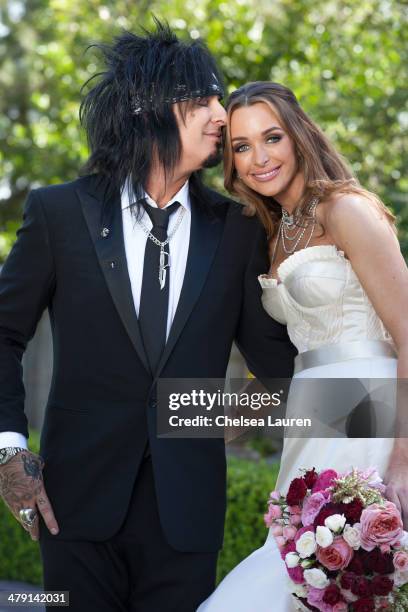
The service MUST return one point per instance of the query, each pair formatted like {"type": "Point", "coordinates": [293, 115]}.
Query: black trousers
{"type": "Point", "coordinates": [135, 571]}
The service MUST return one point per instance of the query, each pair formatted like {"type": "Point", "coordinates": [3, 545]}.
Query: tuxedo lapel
{"type": "Point", "coordinates": [205, 235]}
{"type": "Point", "coordinates": [110, 250]}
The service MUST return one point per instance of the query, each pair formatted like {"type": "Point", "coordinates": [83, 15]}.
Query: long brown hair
{"type": "Point", "coordinates": [325, 171]}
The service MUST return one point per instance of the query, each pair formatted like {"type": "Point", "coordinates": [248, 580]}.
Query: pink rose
{"type": "Point", "coordinates": [312, 506]}
{"type": "Point", "coordinates": [337, 556]}
{"type": "Point", "coordinates": [380, 526]}
{"type": "Point", "coordinates": [315, 598]}
{"type": "Point", "coordinates": [274, 512]}
{"type": "Point", "coordinates": [295, 519]}
{"type": "Point", "coordinates": [280, 541]}
{"type": "Point", "coordinates": [294, 509]}
{"type": "Point", "coordinates": [400, 561]}
{"type": "Point", "coordinates": [289, 532]}
{"type": "Point", "coordinates": [275, 495]}
{"type": "Point", "coordinates": [277, 530]}
{"type": "Point", "coordinates": [325, 480]}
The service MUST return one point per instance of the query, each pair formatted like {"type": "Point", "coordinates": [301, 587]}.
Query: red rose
{"type": "Point", "coordinates": [347, 580]}
{"type": "Point", "coordinates": [356, 565]}
{"type": "Point", "coordinates": [296, 574]}
{"type": "Point", "coordinates": [297, 492]}
{"type": "Point", "coordinates": [289, 547]}
{"type": "Point", "coordinates": [310, 478]}
{"type": "Point", "coordinates": [361, 587]}
{"type": "Point", "coordinates": [326, 511]}
{"type": "Point", "coordinates": [352, 511]}
{"type": "Point", "coordinates": [382, 562]}
{"type": "Point", "coordinates": [332, 595]}
{"type": "Point", "coordinates": [364, 605]}
{"type": "Point", "coordinates": [381, 585]}
{"type": "Point", "coordinates": [368, 559]}
{"type": "Point", "coordinates": [376, 561]}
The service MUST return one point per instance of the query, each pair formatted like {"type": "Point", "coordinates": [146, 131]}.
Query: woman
{"type": "Point", "coordinates": [337, 279]}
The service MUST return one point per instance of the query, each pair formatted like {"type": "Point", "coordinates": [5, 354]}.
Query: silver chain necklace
{"type": "Point", "coordinates": [290, 223]}
{"type": "Point", "coordinates": [164, 255]}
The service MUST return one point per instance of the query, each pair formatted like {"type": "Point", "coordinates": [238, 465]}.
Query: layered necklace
{"type": "Point", "coordinates": [293, 227]}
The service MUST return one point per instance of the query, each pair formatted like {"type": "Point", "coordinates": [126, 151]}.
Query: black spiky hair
{"type": "Point", "coordinates": [128, 114]}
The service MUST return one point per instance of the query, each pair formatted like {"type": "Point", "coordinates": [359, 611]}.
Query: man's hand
{"type": "Point", "coordinates": [22, 486]}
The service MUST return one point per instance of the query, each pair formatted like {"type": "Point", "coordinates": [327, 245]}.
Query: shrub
{"type": "Point", "coordinates": [249, 485]}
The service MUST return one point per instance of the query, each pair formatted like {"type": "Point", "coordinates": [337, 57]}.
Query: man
{"type": "Point", "coordinates": [130, 521]}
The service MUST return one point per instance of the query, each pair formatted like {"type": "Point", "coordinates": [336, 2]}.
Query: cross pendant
{"type": "Point", "coordinates": [164, 263]}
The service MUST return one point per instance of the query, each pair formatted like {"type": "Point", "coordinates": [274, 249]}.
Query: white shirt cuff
{"type": "Point", "coordinates": [12, 438]}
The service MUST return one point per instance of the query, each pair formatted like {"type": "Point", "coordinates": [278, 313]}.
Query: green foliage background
{"type": "Point", "coordinates": [346, 60]}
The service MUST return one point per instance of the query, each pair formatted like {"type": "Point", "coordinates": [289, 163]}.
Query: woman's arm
{"type": "Point", "coordinates": [360, 229]}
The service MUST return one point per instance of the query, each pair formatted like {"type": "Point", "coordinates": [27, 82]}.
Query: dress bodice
{"type": "Point", "coordinates": [321, 300]}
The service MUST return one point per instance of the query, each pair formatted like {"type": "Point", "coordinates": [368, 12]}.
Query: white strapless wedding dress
{"type": "Point", "coordinates": [324, 306]}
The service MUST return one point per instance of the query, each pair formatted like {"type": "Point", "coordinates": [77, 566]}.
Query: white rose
{"type": "Point", "coordinates": [324, 537]}
{"type": "Point", "coordinates": [292, 559]}
{"type": "Point", "coordinates": [300, 590]}
{"type": "Point", "coordinates": [404, 540]}
{"type": "Point", "coordinates": [297, 589]}
{"type": "Point", "coordinates": [335, 522]}
{"type": "Point", "coordinates": [352, 536]}
{"type": "Point", "coordinates": [306, 544]}
{"type": "Point", "coordinates": [400, 578]}
{"type": "Point", "coordinates": [316, 578]}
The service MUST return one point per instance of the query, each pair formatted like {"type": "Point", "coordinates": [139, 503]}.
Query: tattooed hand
{"type": "Point", "coordinates": [22, 486]}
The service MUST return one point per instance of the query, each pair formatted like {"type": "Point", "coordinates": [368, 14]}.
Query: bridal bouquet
{"type": "Point", "coordinates": [342, 542]}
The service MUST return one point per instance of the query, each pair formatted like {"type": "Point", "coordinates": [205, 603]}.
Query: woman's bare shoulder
{"type": "Point", "coordinates": [345, 208]}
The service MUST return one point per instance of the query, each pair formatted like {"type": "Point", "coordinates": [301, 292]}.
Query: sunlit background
{"type": "Point", "coordinates": [346, 61]}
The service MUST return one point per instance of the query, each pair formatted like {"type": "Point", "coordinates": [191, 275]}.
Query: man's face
{"type": "Point", "coordinates": [200, 133]}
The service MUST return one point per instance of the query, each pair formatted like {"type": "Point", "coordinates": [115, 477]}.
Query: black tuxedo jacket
{"type": "Point", "coordinates": [101, 409]}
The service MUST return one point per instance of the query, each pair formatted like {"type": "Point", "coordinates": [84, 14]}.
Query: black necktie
{"type": "Point", "coordinates": [154, 300]}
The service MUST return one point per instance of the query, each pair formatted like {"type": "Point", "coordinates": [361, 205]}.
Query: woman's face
{"type": "Point", "coordinates": [264, 155]}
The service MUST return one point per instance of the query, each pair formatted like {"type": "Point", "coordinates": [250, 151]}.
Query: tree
{"type": "Point", "coordinates": [346, 60]}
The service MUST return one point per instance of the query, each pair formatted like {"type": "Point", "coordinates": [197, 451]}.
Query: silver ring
{"type": "Point", "coordinates": [27, 516]}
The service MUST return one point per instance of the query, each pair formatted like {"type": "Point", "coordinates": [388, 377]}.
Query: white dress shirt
{"type": "Point", "coordinates": [135, 243]}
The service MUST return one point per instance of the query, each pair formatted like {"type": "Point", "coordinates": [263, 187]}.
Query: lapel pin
{"type": "Point", "coordinates": [112, 264]}
{"type": "Point", "coordinates": [105, 232]}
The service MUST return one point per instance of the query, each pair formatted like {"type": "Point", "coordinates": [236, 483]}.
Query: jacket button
{"type": "Point", "coordinates": [153, 404]}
